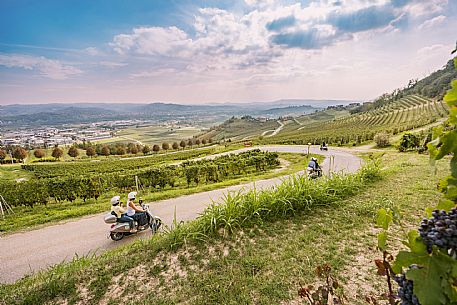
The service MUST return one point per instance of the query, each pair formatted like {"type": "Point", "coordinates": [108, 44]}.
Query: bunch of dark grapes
{"type": "Point", "coordinates": [405, 291]}
{"type": "Point", "coordinates": [440, 230]}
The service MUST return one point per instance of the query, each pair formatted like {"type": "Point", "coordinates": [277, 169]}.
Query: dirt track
{"type": "Point", "coordinates": [24, 253]}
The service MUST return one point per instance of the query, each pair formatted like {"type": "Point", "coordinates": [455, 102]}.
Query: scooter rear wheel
{"type": "Point", "coordinates": [116, 236]}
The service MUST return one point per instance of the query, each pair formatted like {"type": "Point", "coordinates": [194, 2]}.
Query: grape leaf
{"type": "Point", "coordinates": [429, 286]}
{"type": "Point", "coordinates": [406, 258]}
{"type": "Point", "coordinates": [382, 240]}
{"type": "Point", "coordinates": [446, 205]}
{"type": "Point", "coordinates": [449, 141]}
{"type": "Point", "coordinates": [415, 243]}
{"type": "Point", "coordinates": [384, 218]}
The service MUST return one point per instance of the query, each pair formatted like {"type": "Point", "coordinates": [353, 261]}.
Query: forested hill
{"type": "Point", "coordinates": [433, 86]}
{"type": "Point", "coordinates": [436, 84]}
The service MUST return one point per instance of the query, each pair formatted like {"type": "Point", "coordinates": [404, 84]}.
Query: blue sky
{"type": "Point", "coordinates": [218, 51]}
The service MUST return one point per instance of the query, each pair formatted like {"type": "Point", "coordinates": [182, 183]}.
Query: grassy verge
{"type": "Point", "coordinates": [111, 276]}
{"type": "Point", "coordinates": [27, 218]}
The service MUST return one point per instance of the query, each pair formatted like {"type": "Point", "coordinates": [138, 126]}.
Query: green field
{"type": "Point", "coordinates": [155, 134]}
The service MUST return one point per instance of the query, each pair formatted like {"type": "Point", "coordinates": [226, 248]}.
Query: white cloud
{"type": "Point", "coordinates": [92, 51]}
{"type": "Point", "coordinates": [49, 68]}
{"type": "Point", "coordinates": [420, 8]}
{"type": "Point", "coordinates": [430, 23]}
{"type": "Point", "coordinates": [112, 64]}
{"type": "Point", "coordinates": [169, 41]}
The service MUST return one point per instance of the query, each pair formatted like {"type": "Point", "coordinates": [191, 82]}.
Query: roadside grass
{"type": "Point", "coordinates": [29, 218]}
{"type": "Point", "coordinates": [267, 263]}
{"type": "Point", "coordinates": [111, 278]}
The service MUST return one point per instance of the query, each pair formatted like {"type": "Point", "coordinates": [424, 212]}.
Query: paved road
{"type": "Point", "coordinates": [23, 253]}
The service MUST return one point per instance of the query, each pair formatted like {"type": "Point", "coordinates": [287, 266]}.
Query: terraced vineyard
{"type": "Point", "coordinates": [407, 113]}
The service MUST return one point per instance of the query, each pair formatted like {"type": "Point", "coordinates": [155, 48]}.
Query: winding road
{"type": "Point", "coordinates": [26, 252]}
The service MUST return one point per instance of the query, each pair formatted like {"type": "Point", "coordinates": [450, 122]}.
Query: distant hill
{"type": "Point", "coordinates": [290, 110]}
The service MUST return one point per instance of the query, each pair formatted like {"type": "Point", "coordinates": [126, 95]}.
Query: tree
{"type": "Point", "coordinates": [73, 152]}
{"type": "Point", "coordinates": [204, 141]}
{"type": "Point", "coordinates": [90, 151]}
{"type": "Point", "coordinates": [121, 150]}
{"type": "Point", "coordinates": [175, 145]}
{"type": "Point", "coordinates": [190, 143]}
{"type": "Point", "coordinates": [146, 149]}
{"type": "Point", "coordinates": [210, 140]}
{"type": "Point", "coordinates": [165, 146]}
{"type": "Point", "coordinates": [133, 150]}
{"type": "Point", "coordinates": [39, 153]}
{"type": "Point", "coordinates": [57, 152]}
{"type": "Point", "coordinates": [19, 153]}
{"type": "Point", "coordinates": [197, 142]}
{"type": "Point", "coordinates": [105, 151]}
{"type": "Point", "coordinates": [155, 148]}
{"type": "Point", "coordinates": [182, 144]}
{"type": "Point", "coordinates": [2, 154]}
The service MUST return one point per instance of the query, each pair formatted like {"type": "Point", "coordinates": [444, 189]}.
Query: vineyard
{"type": "Point", "coordinates": [50, 170]}
{"type": "Point", "coordinates": [68, 184]}
{"type": "Point", "coordinates": [405, 114]}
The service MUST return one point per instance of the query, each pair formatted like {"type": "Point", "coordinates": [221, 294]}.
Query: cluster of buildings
{"type": "Point", "coordinates": [47, 137]}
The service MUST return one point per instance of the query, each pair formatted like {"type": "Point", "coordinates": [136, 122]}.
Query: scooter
{"type": "Point", "coordinates": [313, 174]}
{"type": "Point", "coordinates": [120, 229]}
{"type": "Point", "coordinates": [323, 147]}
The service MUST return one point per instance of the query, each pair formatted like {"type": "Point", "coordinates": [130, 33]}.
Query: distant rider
{"type": "Point", "coordinates": [132, 210]}
{"type": "Point", "coordinates": [118, 211]}
{"type": "Point", "coordinates": [313, 166]}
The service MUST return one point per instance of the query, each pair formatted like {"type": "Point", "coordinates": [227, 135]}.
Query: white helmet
{"type": "Point", "coordinates": [313, 159]}
{"type": "Point", "coordinates": [131, 195]}
{"type": "Point", "coordinates": [115, 200]}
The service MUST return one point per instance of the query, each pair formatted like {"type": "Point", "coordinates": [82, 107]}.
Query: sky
{"type": "Point", "coordinates": [194, 52]}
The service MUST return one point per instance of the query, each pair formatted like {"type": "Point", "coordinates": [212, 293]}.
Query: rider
{"type": "Point", "coordinates": [118, 211]}
{"type": "Point", "coordinates": [132, 210]}
{"type": "Point", "coordinates": [313, 166]}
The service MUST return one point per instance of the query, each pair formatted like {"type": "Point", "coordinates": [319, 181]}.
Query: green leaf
{"type": "Point", "coordinates": [453, 115]}
{"type": "Point", "coordinates": [415, 243]}
{"type": "Point", "coordinates": [451, 96]}
{"type": "Point", "coordinates": [449, 141]}
{"type": "Point", "coordinates": [406, 258]}
{"type": "Point", "coordinates": [384, 218]}
{"type": "Point", "coordinates": [446, 205]}
{"type": "Point", "coordinates": [382, 240]}
{"type": "Point", "coordinates": [432, 279]}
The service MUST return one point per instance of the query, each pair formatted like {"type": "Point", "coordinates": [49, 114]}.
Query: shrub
{"type": "Point", "coordinates": [382, 139]}
{"type": "Point", "coordinates": [408, 141]}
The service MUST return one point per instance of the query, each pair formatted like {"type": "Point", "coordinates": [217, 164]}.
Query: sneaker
{"type": "Point", "coordinates": [133, 230]}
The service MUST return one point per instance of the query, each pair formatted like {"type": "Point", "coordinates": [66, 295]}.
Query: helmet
{"type": "Point", "coordinates": [131, 195]}
{"type": "Point", "coordinates": [115, 200]}
{"type": "Point", "coordinates": [313, 159]}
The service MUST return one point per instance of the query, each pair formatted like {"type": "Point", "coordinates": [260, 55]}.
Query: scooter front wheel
{"type": "Point", "coordinates": [116, 236]}
{"type": "Point", "coordinates": [156, 225]}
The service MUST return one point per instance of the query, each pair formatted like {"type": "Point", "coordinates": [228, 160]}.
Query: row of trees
{"type": "Point", "coordinates": [71, 187]}
{"type": "Point", "coordinates": [131, 148]}
{"type": "Point", "coordinates": [19, 153]}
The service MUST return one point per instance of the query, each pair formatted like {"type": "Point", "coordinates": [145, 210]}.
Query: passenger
{"type": "Point", "coordinates": [118, 211]}
{"type": "Point", "coordinates": [313, 165]}
{"type": "Point", "coordinates": [133, 211]}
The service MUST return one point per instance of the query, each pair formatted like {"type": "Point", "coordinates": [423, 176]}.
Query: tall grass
{"type": "Point", "coordinates": [295, 194]}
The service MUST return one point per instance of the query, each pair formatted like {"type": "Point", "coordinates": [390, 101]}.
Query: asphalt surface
{"type": "Point", "coordinates": [26, 252]}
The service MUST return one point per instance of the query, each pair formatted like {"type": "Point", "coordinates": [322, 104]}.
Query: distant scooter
{"type": "Point", "coordinates": [323, 147]}
{"type": "Point", "coordinates": [121, 229]}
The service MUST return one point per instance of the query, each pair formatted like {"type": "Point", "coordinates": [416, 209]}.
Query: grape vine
{"type": "Point", "coordinates": [427, 272]}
